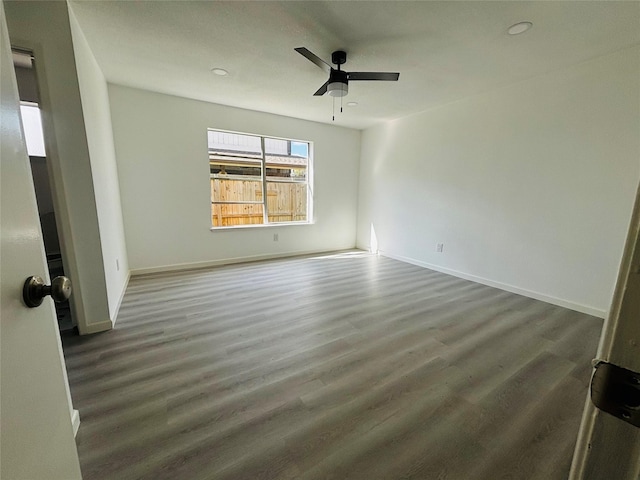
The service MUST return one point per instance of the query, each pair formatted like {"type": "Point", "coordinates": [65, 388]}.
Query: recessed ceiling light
{"type": "Point", "coordinates": [352, 104]}
{"type": "Point", "coordinates": [220, 71]}
{"type": "Point", "coordinates": [519, 28]}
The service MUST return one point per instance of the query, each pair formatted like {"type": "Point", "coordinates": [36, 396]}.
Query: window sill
{"type": "Point", "coordinates": [269, 225]}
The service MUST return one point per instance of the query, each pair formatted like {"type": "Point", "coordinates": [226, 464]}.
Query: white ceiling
{"type": "Point", "coordinates": [444, 50]}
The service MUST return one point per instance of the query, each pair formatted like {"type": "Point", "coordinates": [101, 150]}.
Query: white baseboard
{"type": "Point", "coordinates": [75, 421]}
{"type": "Point", "coordinates": [229, 261]}
{"type": "Point", "coordinates": [596, 312]}
{"type": "Point", "coordinates": [105, 325]}
{"type": "Point", "coordinates": [96, 327]}
{"type": "Point", "coordinates": [124, 290]}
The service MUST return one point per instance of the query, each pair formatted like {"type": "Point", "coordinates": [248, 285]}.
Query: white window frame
{"type": "Point", "coordinates": [266, 222]}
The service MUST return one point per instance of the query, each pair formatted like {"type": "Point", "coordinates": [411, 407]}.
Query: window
{"type": "Point", "coordinates": [32, 125]}
{"type": "Point", "coordinates": [243, 166]}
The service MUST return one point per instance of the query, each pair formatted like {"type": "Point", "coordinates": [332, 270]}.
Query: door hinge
{"type": "Point", "coordinates": [616, 390]}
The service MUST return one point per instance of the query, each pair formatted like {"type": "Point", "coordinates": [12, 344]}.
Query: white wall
{"type": "Point", "coordinates": [163, 167]}
{"type": "Point", "coordinates": [97, 121]}
{"type": "Point", "coordinates": [43, 27]}
{"type": "Point", "coordinates": [530, 187]}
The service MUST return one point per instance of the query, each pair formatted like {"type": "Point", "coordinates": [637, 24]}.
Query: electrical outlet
{"type": "Point", "coordinates": [439, 247]}
{"type": "Point", "coordinates": [275, 237]}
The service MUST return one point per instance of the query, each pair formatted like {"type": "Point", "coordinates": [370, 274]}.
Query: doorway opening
{"type": "Point", "coordinates": [23, 63]}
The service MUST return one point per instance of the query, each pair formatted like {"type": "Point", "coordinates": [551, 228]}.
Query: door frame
{"type": "Point", "coordinates": [56, 177]}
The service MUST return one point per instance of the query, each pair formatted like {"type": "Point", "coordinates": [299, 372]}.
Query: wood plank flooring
{"type": "Point", "coordinates": [344, 366]}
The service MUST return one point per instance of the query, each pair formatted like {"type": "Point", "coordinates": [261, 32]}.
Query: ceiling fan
{"type": "Point", "coordinates": [338, 83]}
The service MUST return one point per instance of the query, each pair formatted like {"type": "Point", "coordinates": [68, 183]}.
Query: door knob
{"type": "Point", "coordinates": [35, 290]}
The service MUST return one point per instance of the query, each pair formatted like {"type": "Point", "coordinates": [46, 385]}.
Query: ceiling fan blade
{"type": "Point", "coordinates": [391, 77]}
{"type": "Point", "coordinates": [322, 90]}
{"type": "Point", "coordinates": [313, 58]}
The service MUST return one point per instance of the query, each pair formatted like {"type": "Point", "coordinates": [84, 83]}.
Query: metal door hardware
{"type": "Point", "coordinates": [35, 290]}
{"type": "Point", "coordinates": [616, 390]}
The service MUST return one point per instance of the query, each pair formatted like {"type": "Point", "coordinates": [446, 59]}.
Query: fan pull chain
{"type": "Point", "coordinates": [341, 104]}
{"type": "Point", "coordinates": [334, 109]}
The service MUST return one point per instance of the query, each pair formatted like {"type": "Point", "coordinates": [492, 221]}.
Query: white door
{"type": "Point", "coordinates": [608, 447]}
{"type": "Point", "coordinates": [36, 433]}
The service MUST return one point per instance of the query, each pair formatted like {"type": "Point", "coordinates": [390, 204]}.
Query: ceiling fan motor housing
{"type": "Point", "coordinates": [338, 83]}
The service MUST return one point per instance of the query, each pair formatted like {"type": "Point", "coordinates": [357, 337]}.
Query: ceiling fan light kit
{"type": "Point", "coordinates": [338, 85]}
{"type": "Point", "coordinates": [338, 89]}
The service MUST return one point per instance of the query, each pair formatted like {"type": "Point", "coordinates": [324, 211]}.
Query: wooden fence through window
{"type": "Point", "coordinates": [286, 202]}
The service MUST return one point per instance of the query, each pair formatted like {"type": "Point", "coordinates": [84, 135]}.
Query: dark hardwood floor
{"type": "Point", "coordinates": [345, 366]}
